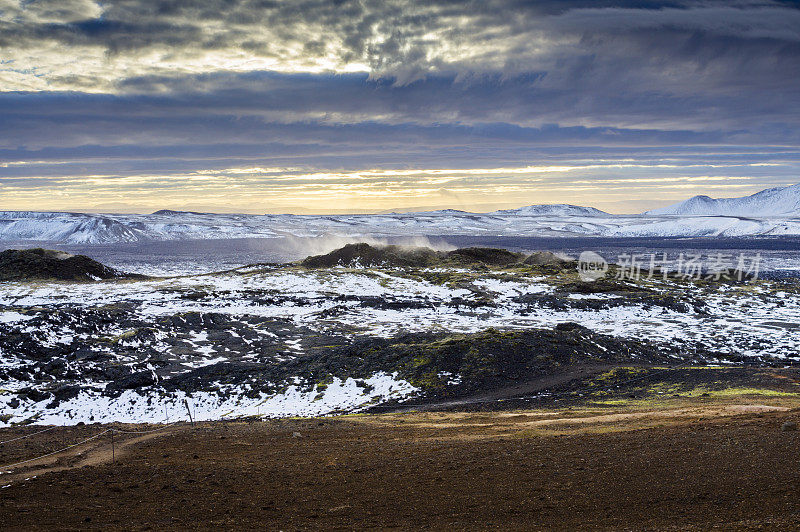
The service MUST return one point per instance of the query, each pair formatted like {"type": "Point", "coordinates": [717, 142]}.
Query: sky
{"type": "Point", "coordinates": [332, 106]}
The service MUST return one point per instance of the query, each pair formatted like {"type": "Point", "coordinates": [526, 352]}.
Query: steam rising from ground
{"type": "Point", "coordinates": [303, 247]}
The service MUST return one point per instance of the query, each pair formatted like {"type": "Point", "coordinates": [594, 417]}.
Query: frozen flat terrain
{"type": "Point", "coordinates": [75, 228]}
{"type": "Point", "coordinates": [270, 340]}
{"type": "Point", "coordinates": [266, 338]}
{"type": "Point", "coordinates": [771, 212]}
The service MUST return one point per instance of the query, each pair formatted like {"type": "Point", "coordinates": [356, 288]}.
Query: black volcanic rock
{"type": "Point", "coordinates": [488, 256]}
{"type": "Point", "coordinates": [140, 379]}
{"type": "Point", "coordinates": [38, 263]}
{"type": "Point", "coordinates": [545, 258]}
{"type": "Point", "coordinates": [365, 255]}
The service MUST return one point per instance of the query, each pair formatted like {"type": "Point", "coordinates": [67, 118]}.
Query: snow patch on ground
{"type": "Point", "coordinates": [347, 395]}
{"type": "Point", "coordinates": [747, 321]}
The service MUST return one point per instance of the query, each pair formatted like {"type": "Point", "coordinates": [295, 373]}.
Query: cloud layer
{"type": "Point", "coordinates": [93, 94]}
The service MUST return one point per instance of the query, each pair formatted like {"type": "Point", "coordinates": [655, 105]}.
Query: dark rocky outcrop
{"type": "Point", "coordinates": [546, 258]}
{"type": "Point", "coordinates": [602, 286]}
{"type": "Point", "coordinates": [140, 379]}
{"type": "Point", "coordinates": [481, 361]}
{"type": "Point", "coordinates": [488, 256]}
{"type": "Point", "coordinates": [488, 359]}
{"type": "Point", "coordinates": [38, 263]}
{"type": "Point", "coordinates": [366, 256]}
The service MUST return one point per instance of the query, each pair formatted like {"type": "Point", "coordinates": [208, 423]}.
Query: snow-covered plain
{"type": "Point", "coordinates": [74, 228]}
{"type": "Point", "coordinates": [134, 407]}
{"type": "Point", "coordinates": [774, 211]}
{"type": "Point", "coordinates": [734, 319]}
{"type": "Point", "coordinates": [751, 321]}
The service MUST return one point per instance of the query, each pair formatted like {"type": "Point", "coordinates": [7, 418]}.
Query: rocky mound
{"type": "Point", "coordinates": [545, 258]}
{"type": "Point", "coordinates": [488, 256]}
{"type": "Point", "coordinates": [38, 263]}
{"type": "Point", "coordinates": [365, 256]}
{"type": "Point", "coordinates": [439, 364]}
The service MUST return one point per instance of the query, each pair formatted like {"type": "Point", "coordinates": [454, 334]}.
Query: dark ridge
{"type": "Point", "coordinates": [170, 212]}
{"type": "Point", "coordinates": [38, 263]}
{"type": "Point", "coordinates": [367, 256]}
{"type": "Point", "coordinates": [482, 361]}
{"type": "Point", "coordinates": [545, 258]}
{"type": "Point", "coordinates": [488, 256]}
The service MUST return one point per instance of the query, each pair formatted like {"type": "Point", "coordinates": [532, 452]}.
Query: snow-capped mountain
{"type": "Point", "coordinates": [74, 228]}
{"type": "Point", "coordinates": [68, 227]}
{"type": "Point", "coordinates": [771, 212]}
{"type": "Point", "coordinates": [780, 201]}
{"type": "Point", "coordinates": [559, 209]}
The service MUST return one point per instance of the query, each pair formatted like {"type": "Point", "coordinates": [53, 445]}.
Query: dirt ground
{"type": "Point", "coordinates": [688, 465]}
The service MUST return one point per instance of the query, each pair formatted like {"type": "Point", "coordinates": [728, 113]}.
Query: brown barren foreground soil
{"type": "Point", "coordinates": [688, 465]}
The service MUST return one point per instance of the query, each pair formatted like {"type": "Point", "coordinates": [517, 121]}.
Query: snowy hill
{"type": "Point", "coordinates": [559, 209]}
{"type": "Point", "coordinates": [771, 212]}
{"type": "Point", "coordinates": [74, 228]}
{"type": "Point", "coordinates": [780, 201]}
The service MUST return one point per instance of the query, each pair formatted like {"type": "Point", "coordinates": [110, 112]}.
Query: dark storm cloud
{"type": "Point", "coordinates": [349, 109]}
{"type": "Point", "coordinates": [133, 87]}
{"type": "Point", "coordinates": [339, 113]}
{"type": "Point", "coordinates": [406, 40]}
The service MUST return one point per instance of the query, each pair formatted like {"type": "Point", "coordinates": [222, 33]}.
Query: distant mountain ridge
{"type": "Point", "coordinates": [773, 211]}
{"type": "Point", "coordinates": [68, 227]}
{"type": "Point", "coordinates": [779, 201]}
{"type": "Point", "coordinates": [170, 212]}
{"type": "Point", "coordinates": [557, 209]}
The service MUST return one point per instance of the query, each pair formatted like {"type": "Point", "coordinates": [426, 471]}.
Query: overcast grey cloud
{"type": "Point", "coordinates": [399, 39]}
{"type": "Point", "coordinates": [112, 90]}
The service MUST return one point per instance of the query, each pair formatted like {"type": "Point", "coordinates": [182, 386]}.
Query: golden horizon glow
{"type": "Point", "coordinates": [258, 189]}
